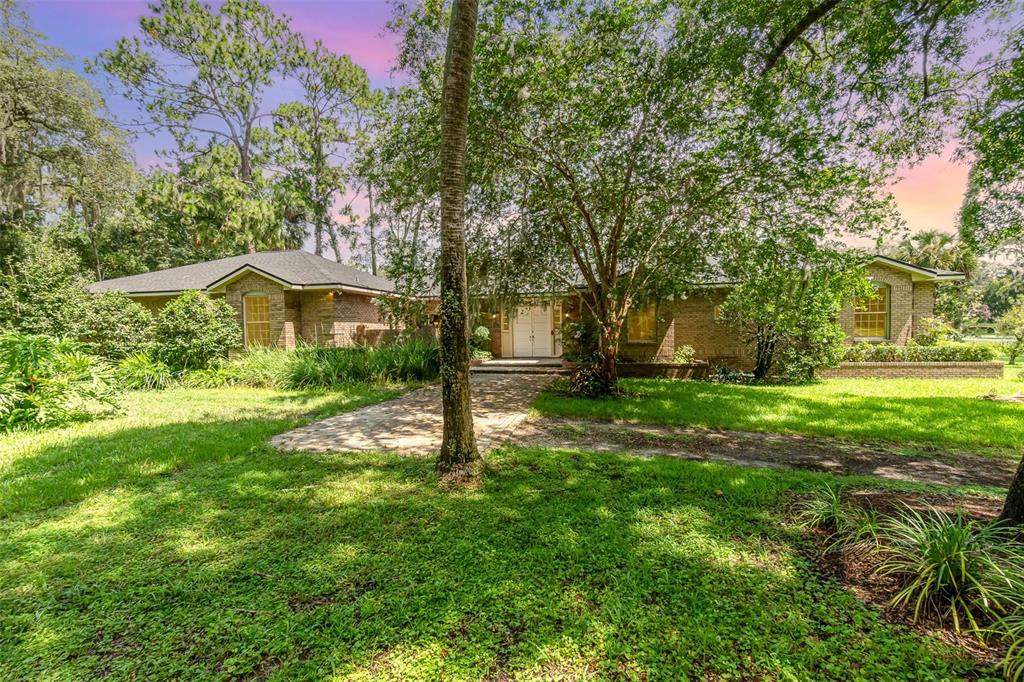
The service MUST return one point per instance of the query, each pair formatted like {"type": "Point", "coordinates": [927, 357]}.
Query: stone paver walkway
{"type": "Point", "coordinates": [412, 424]}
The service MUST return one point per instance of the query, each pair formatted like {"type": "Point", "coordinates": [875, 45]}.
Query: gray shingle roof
{"type": "Point", "coordinates": [298, 268]}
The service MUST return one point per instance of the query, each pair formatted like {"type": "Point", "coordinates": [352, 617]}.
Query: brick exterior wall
{"type": "Point", "coordinates": [909, 303]}
{"type": "Point", "coordinates": [914, 370]}
{"type": "Point", "coordinates": [691, 322]}
{"type": "Point", "coordinates": [326, 318]}
{"type": "Point", "coordinates": [252, 283]}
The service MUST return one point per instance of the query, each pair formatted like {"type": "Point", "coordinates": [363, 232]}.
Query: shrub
{"type": "Point", "coordinates": [44, 292]}
{"type": "Point", "coordinates": [951, 565]}
{"type": "Point", "coordinates": [588, 381]}
{"type": "Point", "coordinates": [115, 326]}
{"type": "Point", "coordinates": [580, 341]}
{"type": "Point", "coordinates": [217, 375]}
{"type": "Point", "coordinates": [316, 367]}
{"type": "Point", "coordinates": [142, 372]}
{"type": "Point", "coordinates": [47, 382]}
{"type": "Point", "coordinates": [944, 352]}
{"type": "Point", "coordinates": [480, 339]}
{"type": "Point", "coordinates": [684, 355]}
{"type": "Point", "coordinates": [932, 331]}
{"type": "Point", "coordinates": [193, 330]}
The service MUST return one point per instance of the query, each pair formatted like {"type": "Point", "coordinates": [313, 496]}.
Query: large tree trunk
{"type": "Point", "coordinates": [1013, 508]}
{"type": "Point", "coordinates": [458, 445]}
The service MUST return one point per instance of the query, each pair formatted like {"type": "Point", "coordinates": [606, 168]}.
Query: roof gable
{"type": "Point", "coordinates": [291, 269]}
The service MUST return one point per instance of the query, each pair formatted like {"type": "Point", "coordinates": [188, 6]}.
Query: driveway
{"type": "Point", "coordinates": [412, 424]}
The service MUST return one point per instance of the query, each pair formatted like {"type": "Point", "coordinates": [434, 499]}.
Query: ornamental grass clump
{"type": "Point", "coordinates": [952, 566]}
{"type": "Point", "coordinates": [317, 367]}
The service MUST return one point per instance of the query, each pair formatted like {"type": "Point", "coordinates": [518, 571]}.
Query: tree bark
{"type": "Point", "coordinates": [458, 445]}
{"type": "Point", "coordinates": [372, 224]}
{"type": "Point", "coordinates": [1013, 508]}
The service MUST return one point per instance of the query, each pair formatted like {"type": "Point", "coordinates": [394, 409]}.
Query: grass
{"type": "Point", "coordinates": [943, 412]}
{"type": "Point", "coordinates": [158, 433]}
{"type": "Point", "coordinates": [190, 550]}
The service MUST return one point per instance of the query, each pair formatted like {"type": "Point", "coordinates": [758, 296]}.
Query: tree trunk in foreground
{"type": "Point", "coordinates": [458, 445]}
{"type": "Point", "coordinates": [1013, 508]}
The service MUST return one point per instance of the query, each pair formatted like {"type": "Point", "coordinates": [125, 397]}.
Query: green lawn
{"type": "Point", "coordinates": [945, 413]}
{"type": "Point", "coordinates": [189, 550]}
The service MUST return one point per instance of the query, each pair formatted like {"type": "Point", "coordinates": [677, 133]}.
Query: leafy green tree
{"type": "Point", "coordinates": [787, 305]}
{"type": "Point", "coordinates": [43, 292]}
{"type": "Point", "coordinates": [312, 138]}
{"type": "Point", "coordinates": [202, 75]}
{"type": "Point", "coordinates": [1012, 324]}
{"type": "Point", "coordinates": [58, 151]}
{"type": "Point", "coordinates": [194, 330]}
{"type": "Point", "coordinates": [617, 146]}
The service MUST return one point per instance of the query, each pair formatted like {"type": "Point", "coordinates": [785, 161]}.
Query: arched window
{"type": "Point", "coordinates": [256, 318]}
{"type": "Point", "coordinates": [871, 315]}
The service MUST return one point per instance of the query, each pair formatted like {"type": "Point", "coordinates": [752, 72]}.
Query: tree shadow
{"type": "Point", "coordinates": [561, 564]}
{"type": "Point", "coordinates": [78, 465]}
{"type": "Point", "coordinates": [943, 421]}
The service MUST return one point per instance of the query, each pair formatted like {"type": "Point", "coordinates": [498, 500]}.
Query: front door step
{"type": "Point", "coordinates": [520, 366]}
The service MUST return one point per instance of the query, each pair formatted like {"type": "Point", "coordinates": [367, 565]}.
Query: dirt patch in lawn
{"type": "Point", "coordinates": [830, 455]}
{"type": "Point", "coordinates": [854, 567]}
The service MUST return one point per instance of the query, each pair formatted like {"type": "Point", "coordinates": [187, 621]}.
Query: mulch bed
{"type": "Point", "coordinates": [854, 568]}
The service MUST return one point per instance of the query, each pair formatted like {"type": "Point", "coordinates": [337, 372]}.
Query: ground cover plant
{"type": "Point", "coordinates": [171, 543]}
{"type": "Point", "coordinates": [946, 569]}
{"type": "Point", "coordinates": [944, 412]}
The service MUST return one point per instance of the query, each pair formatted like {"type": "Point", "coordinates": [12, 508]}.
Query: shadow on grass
{"type": "Point", "coordinates": [943, 421]}
{"type": "Point", "coordinates": [563, 564]}
{"type": "Point", "coordinates": [124, 455]}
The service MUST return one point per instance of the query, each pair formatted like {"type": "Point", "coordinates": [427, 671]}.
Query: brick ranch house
{"type": "Point", "coordinates": [281, 297]}
{"type": "Point", "coordinates": [905, 296]}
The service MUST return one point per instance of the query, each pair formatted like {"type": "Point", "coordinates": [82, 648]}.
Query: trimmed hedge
{"type": "Point", "coordinates": [946, 352]}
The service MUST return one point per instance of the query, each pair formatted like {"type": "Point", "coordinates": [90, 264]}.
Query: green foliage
{"type": "Point", "coordinates": [194, 330]}
{"type": "Point", "coordinates": [201, 74]}
{"type": "Point", "coordinates": [588, 381]}
{"type": "Point", "coordinates": [43, 292]}
{"type": "Point", "coordinates": [114, 326]}
{"type": "Point", "coordinates": [1011, 628]}
{"type": "Point", "coordinates": [59, 152]}
{"type": "Point", "coordinates": [480, 338]}
{"type": "Point", "coordinates": [47, 382]}
{"type": "Point", "coordinates": [932, 330]}
{"type": "Point", "coordinates": [141, 372]}
{"type": "Point", "coordinates": [217, 375]}
{"type": "Point", "coordinates": [318, 367]}
{"type": "Point", "coordinates": [849, 526]}
{"type": "Point", "coordinates": [608, 558]}
{"type": "Point", "coordinates": [684, 355]}
{"type": "Point", "coordinates": [1012, 322]}
{"type": "Point", "coordinates": [943, 352]}
{"type": "Point", "coordinates": [943, 413]}
{"type": "Point", "coordinates": [952, 566]}
{"type": "Point", "coordinates": [787, 305]}
{"type": "Point", "coordinates": [580, 340]}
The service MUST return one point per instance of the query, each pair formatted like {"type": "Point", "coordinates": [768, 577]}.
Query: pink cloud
{"type": "Point", "coordinates": [929, 195]}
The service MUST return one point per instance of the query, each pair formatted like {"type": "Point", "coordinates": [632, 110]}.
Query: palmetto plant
{"type": "Point", "coordinates": [45, 381]}
{"type": "Point", "coordinates": [952, 566]}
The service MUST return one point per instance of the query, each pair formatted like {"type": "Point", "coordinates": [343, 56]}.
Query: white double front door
{"type": "Point", "coordinates": [531, 332]}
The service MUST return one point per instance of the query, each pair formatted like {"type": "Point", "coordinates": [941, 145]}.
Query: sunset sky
{"type": "Point", "coordinates": [929, 195]}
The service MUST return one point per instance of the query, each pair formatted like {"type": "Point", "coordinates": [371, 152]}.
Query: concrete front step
{"type": "Point", "coordinates": [517, 369]}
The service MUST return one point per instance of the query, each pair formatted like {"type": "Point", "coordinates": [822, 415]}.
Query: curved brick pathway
{"type": "Point", "coordinates": [412, 424]}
